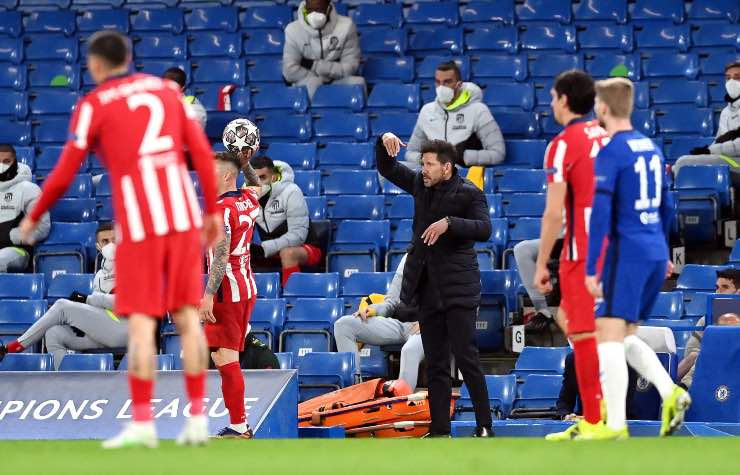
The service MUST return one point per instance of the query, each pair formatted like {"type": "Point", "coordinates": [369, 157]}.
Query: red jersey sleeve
{"type": "Point", "coordinates": [82, 133]}
{"type": "Point", "coordinates": [201, 155]}
{"type": "Point", "coordinates": [556, 161]}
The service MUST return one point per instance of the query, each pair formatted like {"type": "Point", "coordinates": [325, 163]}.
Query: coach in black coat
{"type": "Point", "coordinates": [441, 276]}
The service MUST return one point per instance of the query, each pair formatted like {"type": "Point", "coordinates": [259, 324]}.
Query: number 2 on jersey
{"type": "Point", "coordinates": [645, 202]}
{"type": "Point", "coordinates": [152, 142]}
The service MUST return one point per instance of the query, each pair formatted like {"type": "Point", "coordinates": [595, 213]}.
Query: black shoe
{"type": "Point", "coordinates": [3, 350]}
{"type": "Point", "coordinates": [484, 432]}
{"type": "Point", "coordinates": [538, 324]}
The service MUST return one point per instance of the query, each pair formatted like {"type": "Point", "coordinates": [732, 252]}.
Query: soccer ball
{"type": "Point", "coordinates": [241, 135]}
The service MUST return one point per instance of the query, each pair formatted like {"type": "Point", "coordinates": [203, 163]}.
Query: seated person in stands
{"type": "Point", "coordinates": [374, 324]}
{"type": "Point", "coordinates": [728, 282]}
{"type": "Point", "coordinates": [18, 195]}
{"type": "Point", "coordinates": [457, 116]}
{"type": "Point", "coordinates": [178, 75]}
{"type": "Point", "coordinates": [82, 322]}
{"type": "Point", "coordinates": [283, 224]}
{"type": "Point", "coordinates": [321, 47]}
{"type": "Point", "coordinates": [103, 236]}
{"type": "Point", "coordinates": [525, 254]}
{"type": "Point", "coordinates": [726, 147]}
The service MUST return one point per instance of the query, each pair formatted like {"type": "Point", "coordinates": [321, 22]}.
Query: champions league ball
{"type": "Point", "coordinates": [241, 135]}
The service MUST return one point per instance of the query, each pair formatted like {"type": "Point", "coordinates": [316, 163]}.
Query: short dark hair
{"type": "Point", "coordinates": [110, 45]}
{"type": "Point", "coordinates": [450, 66]}
{"type": "Point", "coordinates": [734, 64]}
{"type": "Point", "coordinates": [445, 151]}
{"type": "Point", "coordinates": [104, 226]}
{"type": "Point", "coordinates": [176, 74]}
{"type": "Point", "coordinates": [229, 157]}
{"type": "Point", "coordinates": [6, 147]}
{"type": "Point", "coordinates": [730, 274]}
{"type": "Point", "coordinates": [262, 161]}
{"type": "Point", "coordinates": [578, 86]}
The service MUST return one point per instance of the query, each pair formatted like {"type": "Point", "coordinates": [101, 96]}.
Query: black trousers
{"type": "Point", "coordinates": [453, 330]}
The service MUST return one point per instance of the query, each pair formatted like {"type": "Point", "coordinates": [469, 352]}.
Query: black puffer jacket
{"type": "Point", "coordinates": [451, 263]}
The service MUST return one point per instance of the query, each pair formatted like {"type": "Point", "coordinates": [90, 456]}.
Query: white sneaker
{"type": "Point", "coordinates": [195, 431]}
{"type": "Point", "coordinates": [135, 434]}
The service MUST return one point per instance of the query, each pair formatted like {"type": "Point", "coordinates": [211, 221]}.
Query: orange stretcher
{"type": "Point", "coordinates": [397, 430]}
{"type": "Point", "coordinates": [356, 394]}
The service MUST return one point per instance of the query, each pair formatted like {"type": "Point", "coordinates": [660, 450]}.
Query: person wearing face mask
{"type": "Point", "coordinates": [18, 196]}
{"type": "Point", "coordinates": [457, 116]}
{"type": "Point", "coordinates": [725, 150]}
{"type": "Point", "coordinates": [321, 47]}
{"type": "Point", "coordinates": [283, 224]}
{"type": "Point", "coordinates": [80, 322]}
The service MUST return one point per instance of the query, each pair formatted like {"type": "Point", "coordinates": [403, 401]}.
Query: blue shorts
{"type": "Point", "coordinates": [630, 288]}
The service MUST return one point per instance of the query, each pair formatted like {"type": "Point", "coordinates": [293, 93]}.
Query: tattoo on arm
{"type": "Point", "coordinates": [250, 175]}
{"type": "Point", "coordinates": [218, 265]}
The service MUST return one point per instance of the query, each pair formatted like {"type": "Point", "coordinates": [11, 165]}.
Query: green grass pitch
{"type": "Point", "coordinates": [526, 456]}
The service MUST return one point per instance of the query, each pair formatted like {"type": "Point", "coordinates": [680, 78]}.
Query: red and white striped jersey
{"type": "Point", "coordinates": [240, 210]}
{"type": "Point", "coordinates": [139, 127]}
{"type": "Point", "coordinates": [570, 159]}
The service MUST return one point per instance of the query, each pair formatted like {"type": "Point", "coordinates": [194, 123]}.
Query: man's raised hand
{"type": "Point", "coordinates": [392, 144]}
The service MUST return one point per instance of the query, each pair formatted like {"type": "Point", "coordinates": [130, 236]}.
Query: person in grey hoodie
{"type": "Point", "coordinates": [283, 224]}
{"type": "Point", "coordinates": [375, 325]}
{"type": "Point", "coordinates": [321, 47]}
{"type": "Point", "coordinates": [459, 117]}
{"type": "Point", "coordinates": [726, 147]}
{"type": "Point", "coordinates": [18, 196]}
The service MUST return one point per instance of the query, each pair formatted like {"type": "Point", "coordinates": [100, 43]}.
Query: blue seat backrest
{"type": "Point", "coordinates": [282, 127]}
{"type": "Point", "coordinates": [22, 286]}
{"type": "Point", "coordinates": [27, 362]}
{"type": "Point", "coordinates": [721, 10]}
{"type": "Point", "coordinates": [438, 13]}
{"type": "Point", "coordinates": [312, 285]}
{"type": "Point", "coordinates": [384, 41]}
{"type": "Point", "coordinates": [87, 362]}
{"type": "Point", "coordinates": [337, 366]}
{"type": "Point", "coordinates": [348, 97]}
{"type": "Point", "coordinates": [11, 23]}
{"type": "Point", "coordinates": [266, 16]}
{"type": "Point", "coordinates": [716, 35]}
{"type": "Point", "coordinates": [158, 19]}
{"type": "Point", "coordinates": [52, 46]}
{"type": "Point", "coordinates": [378, 14]}
{"type": "Point", "coordinates": [320, 311]}
{"type": "Point", "coordinates": [355, 182]}
{"type": "Point", "coordinates": [600, 65]}
{"type": "Point", "coordinates": [211, 43]}
{"type": "Point", "coordinates": [606, 37]}
{"type": "Point", "coordinates": [548, 37]}
{"type": "Point", "coordinates": [488, 12]}
{"type": "Point", "coordinates": [500, 38]}
{"type": "Point", "coordinates": [387, 96]}
{"type": "Point", "coordinates": [264, 42]}
{"type": "Point", "coordinates": [213, 18]}
{"type": "Point", "coordinates": [290, 99]}
{"type": "Point", "coordinates": [660, 10]}
{"type": "Point", "coordinates": [388, 68]}
{"type": "Point", "coordinates": [52, 21]}
{"type": "Point", "coordinates": [401, 122]}
{"type": "Point", "coordinates": [527, 153]}
{"type": "Point", "coordinates": [268, 284]}
{"type": "Point", "coordinates": [74, 210]}
{"type": "Point", "coordinates": [346, 154]}
{"type": "Point", "coordinates": [601, 10]}
{"type": "Point", "coordinates": [297, 155]}
{"type": "Point", "coordinates": [668, 305]}
{"type": "Point", "coordinates": [286, 360]}
{"type": "Point", "coordinates": [317, 207]}
{"type": "Point", "coordinates": [544, 10]}
{"type": "Point", "coordinates": [542, 360]}
{"type": "Point", "coordinates": [11, 50]}
{"type": "Point", "coordinates": [661, 35]}
{"type": "Point", "coordinates": [436, 40]}
{"type": "Point", "coordinates": [698, 277]}
{"type": "Point", "coordinates": [104, 19]}
{"type": "Point", "coordinates": [269, 310]}
{"type": "Point", "coordinates": [706, 177]}
{"type": "Point", "coordinates": [499, 66]}
{"type": "Point", "coordinates": [17, 315]}
{"type": "Point", "coordinates": [670, 65]}
{"type": "Point", "coordinates": [361, 284]}
{"type": "Point", "coordinates": [377, 232]}
{"type": "Point", "coordinates": [13, 76]}
{"type": "Point", "coordinates": [551, 64]}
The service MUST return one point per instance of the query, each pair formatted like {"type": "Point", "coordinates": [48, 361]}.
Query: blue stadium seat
{"type": "Point", "coordinates": [264, 42]}
{"type": "Point", "coordinates": [267, 320]}
{"type": "Point", "coordinates": [614, 11]}
{"type": "Point", "coordinates": [544, 10]}
{"type": "Point", "coordinates": [674, 37]}
{"type": "Point", "coordinates": [356, 207]}
{"type": "Point", "coordinates": [309, 181]}
{"type": "Point", "coordinates": [13, 76]}
{"type": "Point", "coordinates": [719, 10]}
{"type": "Point", "coordinates": [51, 21]}
{"type": "Point", "coordinates": [394, 97]}
{"type": "Point", "coordinates": [52, 47]}
{"type": "Point", "coordinates": [11, 50]}
{"type": "Point", "coordinates": [17, 315]}
{"type": "Point", "coordinates": [150, 3]}
{"type": "Point", "coordinates": [158, 45]}
{"type": "Point", "coordinates": [265, 16]}
{"type": "Point", "coordinates": [27, 156]}
{"type": "Point", "coordinates": [601, 65]}
{"type": "Point", "coordinates": [339, 125]}
{"type": "Point", "coordinates": [499, 66]}
{"type": "Point", "coordinates": [316, 207]}
{"type": "Point", "coordinates": [498, 289]}
{"type": "Point", "coordinates": [301, 156]}
{"type": "Point", "coordinates": [373, 362]}
{"type": "Point", "coordinates": [517, 123]}
{"type": "Point", "coordinates": [378, 15]}
{"type": "Point", "coordinates": [427, 66]}
{"type": "Point", "coordinates": [358, 246]}
{"type": "Point", "coordinates": [322, 372]}
{"type": "Point", "coordinates": [55, 74]}
{"type": "Point", "coordinates": [668, 305]}
{"type": "Point", "coordinates": [15, 104]}
{"type": "Point", "coordinates": [539, 391]}
{"type": "Point", "coordinates": [401, 207]}
{"type": "Point", "coordinates": [401, 123]}
{"type": "Point", "coordinates": [670, 65]}
{"type": "Point", "coordinates": [11, 23]}
{"type": "Point", "coordinates": [74, 210]}
{"type": "Point", "coordinates": [87, 362]}
{"type": "Point", "coordinates": [376, 69]}
{"type": "Point", "coordinates": [361, 284]}
{"type": "Point", "coordinates": [437, 13]}
{"type": "Point", "coordinates": [702, 192]}
{"type": "Point", "coordinates": [214, 18]}
{"type": "Point", "coordinates": [685, 120]}
{"type": "Point", "coordinates": [346, 155]}
{"type": "Point", "coordinates": [714, 64]}
{"type": "Point", "coordinates": [285, 127]}
{"type": "Point", "coordinates": [157, 67]}
{"type": "Point", "coordinates": [97, 4]}
{"type": "Point", "coordinates": [606, 37]}
{"type": "Point", "coordinates": [716, 36]}
{"type": "Point", "coordinates": [495, 205]}
{"type": "Point", "coordinates": [548, 37]}
{"type": "Point", "coordinates": [18, 133]}
{"type": "Point", "coordinates": [487, 12]}
{"type": "Point", "coordinates": [224, 71]}
{"type": "Point", "coordinates": [51, 129]}
{"type": "Point", "coordinates": [524, 204]}
{"type": "Point", "coordinates": [336, 96]}
{"type": "Point", "coordinates": [644, 121]}
{"type": "Point", "coordinates": [508, 94]}
{"type": "Point", "coordinates": [525, 153]}
{"type": "Point", "coordinates": [163, 363]}
{"type": "Point", "coordinates": [522, 229]}
{"type": "Point", "coordinates": [324, 285]}
{"type": "Point", "coordinates": [541, 360]}
{"type": "Point", "coordinates": [661, 10]}
{"type": "Point", "coordinates": [351, 182]}
{"type": "Point", "coordinates": [436, 41]}
{"type": "Point", "coordinates": [698, 278]}
{"type": "Point", "coordinates": [215, 44]}
{"type": "Point", "coordinates": [285, 360]}
{"type": "Point", "coordinates": [27, 362]}
{"type": "Point", "coordinates": [107, 19]}
{"type": "Point", "coordinates": [81, 187]}
{"type": "Point", "coordinates": [551, 64]}
{"type": "Point", "coordinates": [679, 91]}
{"type": "Point", "coordinates": [310, 324]}
{"type": "Point", "coordinates": [501, 38]}
{"type": "Point", "coordinates": [208, 95]}
{"type": "Point", "coordinates": [62, 286]}
{"type": "Point", "coordinates": [104, 187]}
{"type": "Point", "coordinates": [158, 19]}
{"type": "Point", "coordinates": [22, 286]}
{"type": "Point", "coordinates": [268, 284]}
{"type": "Point", "coordinates": [501, 393]}
{"type": "Point", "coordinates": [290, 99]}
{"type": "Point", "coordinates": [67, 249]}
{"type": "Point", "coordinates": [675, 147]}
{"type": "Point", "coordinates": [52, 102]}
{"type": "Point", "coordinates": [384, 41]}
{"type": "Point", "coordinates": [516, 181]}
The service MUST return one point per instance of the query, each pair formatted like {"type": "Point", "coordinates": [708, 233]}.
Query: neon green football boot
{"type": "Point", "coordinates": [674, 410]}
{"type": "Point", "coordinates": [601, 431]}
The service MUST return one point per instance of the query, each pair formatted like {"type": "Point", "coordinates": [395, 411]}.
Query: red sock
{"type": "Point", "coordinates": [141, 398]}
{"type": "Point", "coordinates": [587, 373]}
{"type": "Point", "coordinates": [195, 386]}
{"type": "Point", "coordinates": [287, 271]}
{"type": "Point", "coordinates": [15, 346]}
{"type": "Point", "coordinates": [232, 387]}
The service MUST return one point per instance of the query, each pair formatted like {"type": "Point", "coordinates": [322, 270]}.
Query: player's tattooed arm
{"type": "Point", "coordinates": [250, 175]}
{"type": "Point", "coordinates": [218, 264]}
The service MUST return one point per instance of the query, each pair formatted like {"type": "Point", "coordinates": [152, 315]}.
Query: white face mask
{"type": "Point", "coordinates": [4, 167]}
{"type": "Point", "coordinates": [316, 20]}
{"type": "Point", "coordinates": [733, 89]}
{"type": "Point", "coordinates": [445, 94]}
